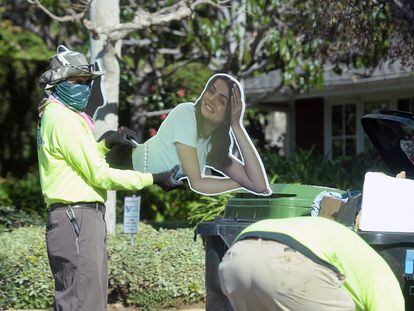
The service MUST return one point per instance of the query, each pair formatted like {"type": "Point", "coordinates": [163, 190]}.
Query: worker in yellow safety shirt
{"type": "Point", "coordinates": [306, 264]}
{"type": "Point", "coordinates": [74, 178]}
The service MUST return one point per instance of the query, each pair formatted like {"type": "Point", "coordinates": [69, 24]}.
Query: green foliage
{"type": "Point", "coordinates": [21, 202]}
{"type": "Point", "coordinates": [206, 208]}
{"type": "Point", "coordinates": [24, 193]}
{"type": "Point", "coordinates": [164, 268]}
{"type": "Point", "coordinates": [10, 218]}
{"type": "Point", "coordinates": [192, 78]}
{"type": "Point", "coordinates": [312, 168]}
{"type": "Point", "coordinates": [18, 114]}
{"type": "Point", "coordinates": [25, 277]}
{"type": "Point", "coordinates": [358, 33]}
{"type": "Point", "coordinates": [159, 205]}
{"type": "Point", "coordinates": [18, 44]}
{"type": "Point", "coordinates": [284, 46]}
{"type": "Point", "coordinates": [27, 40]}
{"type": "Point", "coordinates": [4, 196]}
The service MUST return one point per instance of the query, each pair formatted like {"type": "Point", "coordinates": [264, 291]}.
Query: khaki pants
{"type": "Point", "coordinates": [267, 275]}
{"type": "Point", "coordinates": [79, 267]}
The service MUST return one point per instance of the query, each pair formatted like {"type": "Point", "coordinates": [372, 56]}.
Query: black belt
{"type": "Point", "coordinates": [100, 207]}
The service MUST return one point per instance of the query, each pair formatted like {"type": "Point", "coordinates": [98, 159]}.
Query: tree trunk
{"type": "Point", "coordinates": [238, 12]}
{"type": "Point", "coordinates": [105, 13]}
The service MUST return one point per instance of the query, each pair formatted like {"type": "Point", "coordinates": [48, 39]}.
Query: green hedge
{"type": "Point", "coordinates": [164, 268]}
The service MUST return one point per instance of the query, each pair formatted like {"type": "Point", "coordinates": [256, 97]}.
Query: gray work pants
{"type": "Point", "coordinates": [79, 266]}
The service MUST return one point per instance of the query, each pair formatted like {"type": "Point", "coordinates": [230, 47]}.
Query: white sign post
{"type": "Point", "coordinates": [132, 207]}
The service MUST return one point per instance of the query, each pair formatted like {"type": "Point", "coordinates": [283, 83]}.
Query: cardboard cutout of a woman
{"type": "Point", "coordinates": [200, 136]}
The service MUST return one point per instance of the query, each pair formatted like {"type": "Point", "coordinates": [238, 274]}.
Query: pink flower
{"type": "Point", "coordinates": [163, 116]}
{"type": "Point", "coordinates": [152, 132]}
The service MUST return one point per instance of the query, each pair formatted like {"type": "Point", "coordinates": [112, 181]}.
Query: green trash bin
{"type": "Point", "coordinates": [288, 200]}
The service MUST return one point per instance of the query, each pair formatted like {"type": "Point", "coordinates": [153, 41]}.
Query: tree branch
{"type": "Point", "coordinates": [253, 67]}
{"type": "Point", "coordinates": [143, 19]}
{"type": "Point", "coordinates": [85, 5]}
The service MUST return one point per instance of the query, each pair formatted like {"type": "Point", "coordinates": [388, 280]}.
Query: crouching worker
{"type": "Point", "coordinates": [74, 177]}
{"type": "Point", "coordinates": [306, 264]}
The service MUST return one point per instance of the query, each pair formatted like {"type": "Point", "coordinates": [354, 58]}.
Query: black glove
{"type": "Point", "coordinates": [122, 137]}
{"type": "Point", "coordinates": [167, 180]}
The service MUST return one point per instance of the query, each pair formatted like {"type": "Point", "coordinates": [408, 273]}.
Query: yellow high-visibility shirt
{"type": "Point", "coordinates": [72, 164]}
{"type": "Point", "coordinates": [368, 278]}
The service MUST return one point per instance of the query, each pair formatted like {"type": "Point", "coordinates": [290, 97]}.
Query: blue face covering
{"type": "Point", "coordinates": [73, 95]}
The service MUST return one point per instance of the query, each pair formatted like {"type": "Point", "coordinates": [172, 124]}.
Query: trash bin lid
{"type": "Point", "coordinates": [392, 134]}
{"type": "Point", "coordinates": [286, 194]}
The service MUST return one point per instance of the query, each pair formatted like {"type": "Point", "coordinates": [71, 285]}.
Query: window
{"type": "Point", "coordinates": [343, 135]}
{"type": "Point", "coordinates": [346, 136]}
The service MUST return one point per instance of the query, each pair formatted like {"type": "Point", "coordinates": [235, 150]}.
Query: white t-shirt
{"type": "Point", "coordinates": [159, 153]}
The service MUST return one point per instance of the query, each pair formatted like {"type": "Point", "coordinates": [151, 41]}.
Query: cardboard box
{"type": "Point", "coordinates": [340, 211]}
{"type": "Point", "coordinates": [330, 207]}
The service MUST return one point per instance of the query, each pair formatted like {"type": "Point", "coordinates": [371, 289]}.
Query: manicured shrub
{"type": "Point", "coordinates": [25, 277]}
{"type": "Point", "coordinates": [163, 268]}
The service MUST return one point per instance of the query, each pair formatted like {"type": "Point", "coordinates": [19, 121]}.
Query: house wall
{"type": "Point", "coordinates": [309, 123]}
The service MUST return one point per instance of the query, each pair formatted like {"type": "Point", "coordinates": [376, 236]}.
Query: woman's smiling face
{"type": "Point", "coordinates": [214, 102]}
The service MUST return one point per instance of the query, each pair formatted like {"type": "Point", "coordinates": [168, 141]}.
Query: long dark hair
{"type": "Point", "coordinates": [220, 141]}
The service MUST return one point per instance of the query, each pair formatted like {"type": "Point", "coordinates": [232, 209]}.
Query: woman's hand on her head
{"type": "Point", "coordinates": [236, 106]}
